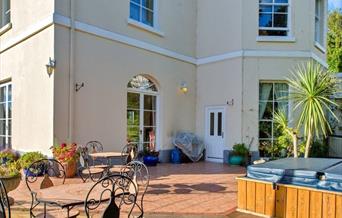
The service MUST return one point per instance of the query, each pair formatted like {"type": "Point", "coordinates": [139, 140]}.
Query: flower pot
{"type": "Point", "coordinates": [11, 183]}
{"type": "Point", "coordinates": [70, 168]}
{"type": "Point", "coordinates": [150, 160]}
{"type": "Point", "coordinates": [236, 160]}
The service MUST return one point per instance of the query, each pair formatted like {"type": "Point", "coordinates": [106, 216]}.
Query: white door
{"type": "Point", "coordinates": [215, 133]}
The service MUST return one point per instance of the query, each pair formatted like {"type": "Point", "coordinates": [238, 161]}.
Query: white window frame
{"type": "Point", "coordinates": [320, 29]}
{"type": "Point", "coordinates": [288, 37]}
{"type": "Point", "coordinates": [7, 119]}
{"type": "Point", "coordinates": [139, 24]}
{"type": "Point", "coordinates": [272, 139]}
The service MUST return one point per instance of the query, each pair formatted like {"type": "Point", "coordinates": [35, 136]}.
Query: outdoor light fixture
{"type": "Point", "coordinates": [50, 67]}
{"type": "Point", "coordinates": [184, 87]}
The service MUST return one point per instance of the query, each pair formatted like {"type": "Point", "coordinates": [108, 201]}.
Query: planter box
{"type": "Point", "coordinates": [264, 198]}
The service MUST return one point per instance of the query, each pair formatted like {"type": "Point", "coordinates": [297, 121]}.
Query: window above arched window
{"type": "Point", "coordinates": [140, 82]}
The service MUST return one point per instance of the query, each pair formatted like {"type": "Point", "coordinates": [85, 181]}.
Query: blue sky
{"type": "Point", "coordinates": [333, 4]}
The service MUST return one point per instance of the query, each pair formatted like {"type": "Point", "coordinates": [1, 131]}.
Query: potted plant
{"type": "Point", "coordinates": [68, 155]}
{"type": "Point", "coordinates": [149, 156]}
{"type": "Point", "coordinates": [8, 155]}
{"type": "Point", "coordinates": [10, 176]}
{"type": "Point", "coordinates": [239, 154]}
{"type": "Point", "coordinates": [28, 158]}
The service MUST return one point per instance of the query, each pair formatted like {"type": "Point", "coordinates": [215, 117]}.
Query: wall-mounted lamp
{"type": "Point", "coordinates": [184, 87]}
{"type": "Point", "coordinates": [50, 67]}
{"type": "Point", "coordinates": [231, 102]}
{"type": "Point", "coordinates": [78, 86]}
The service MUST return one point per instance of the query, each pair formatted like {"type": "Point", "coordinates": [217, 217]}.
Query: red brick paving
{"type": "Point", "coordinates": [189, 189]}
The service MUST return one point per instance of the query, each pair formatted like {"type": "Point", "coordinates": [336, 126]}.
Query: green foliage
{"type": "Point", "coordinates": [9, 155]}
{"type": "Point", "coordinates": [240, 149]}
{"type": "Point", "coordinates": [319, 149]}
{"type": "Point", "coordinates": [28, 158]}
{"type": "Point", "coordinates": [10, 169]}
{"type": "Point", "coordinates": [334, 39]}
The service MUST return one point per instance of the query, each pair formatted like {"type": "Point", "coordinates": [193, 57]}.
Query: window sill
{"type": "Point", "coordinates": [5, 28]}
{"type": "Point", "coordinates": [144, 27]}
{"type": "Point", "coordinates": [320, 47]}
{"type": "Point", "coordinates": [275, 39]}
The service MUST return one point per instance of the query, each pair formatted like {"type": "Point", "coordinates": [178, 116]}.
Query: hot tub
{"type": "Point", "coordinates": [293, 187]}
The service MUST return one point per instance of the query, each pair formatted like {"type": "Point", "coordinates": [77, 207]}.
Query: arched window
{"type": "Point", "coordinates": [142, 112]}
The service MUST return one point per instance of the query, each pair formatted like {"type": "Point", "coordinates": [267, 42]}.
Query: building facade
{"type": "Point", "coordinates": [142, 70]}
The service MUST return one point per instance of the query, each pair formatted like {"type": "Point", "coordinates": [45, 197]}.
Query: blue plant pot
{"type": "Point", "coordinates": [30, 174]}
{"type": "Point", "coordinates": [150, 160]}
{"type": "Point", "coordinates": [235, 160]}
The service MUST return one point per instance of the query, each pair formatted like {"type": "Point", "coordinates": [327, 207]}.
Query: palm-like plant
{"type": "Point", "coordinates": [311, 91]}
{"type": "Point", "coordinates": [282, 123]}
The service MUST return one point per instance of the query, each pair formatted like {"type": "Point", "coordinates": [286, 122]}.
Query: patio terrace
{"type": "Point", "coordinates": [186, 190]}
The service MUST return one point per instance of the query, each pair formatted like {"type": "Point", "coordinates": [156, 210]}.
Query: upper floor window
{"type": "Point", "coordinates": [274, 17]}
{"type": "Point", "coordinates": [319, 22]}
{"type": "Point", "coordinates": [5, 9]}
{"type": "Point", "coordinates": [142, 11]}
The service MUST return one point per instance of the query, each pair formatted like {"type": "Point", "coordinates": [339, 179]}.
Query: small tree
{"type": "Point", "coordinates": [282, 123]}
{"type": "Point", "coordinates": [334, 39]}
{"type": "Point", "coordinates": [311, 90]}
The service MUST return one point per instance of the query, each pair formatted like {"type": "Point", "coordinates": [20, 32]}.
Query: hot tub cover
{"type": "Point", "coordinates": [295, 171]}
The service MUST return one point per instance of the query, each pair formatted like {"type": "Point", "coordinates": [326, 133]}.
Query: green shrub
{"type": "Point", "coordinates": [240, 149]}
{"type": "Point", "coordinates": [10, 169]}
{"type": "Point", "coordinates": [8, 155]}
{"type": "Point", "coordinates": [319, 149]}
{"type": "Point", "coordinates": [28, 158]}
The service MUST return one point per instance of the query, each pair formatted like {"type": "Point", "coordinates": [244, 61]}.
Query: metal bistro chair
{"type": "Point", "coordinates": [128, 154]}
{"type": "Point", "coordinates": [47, 173]}
{"type": "Point", "coordinates": [139, 173]}
{"type": "Point", "coordinates": [86, 170]}
{"type": "Point", "coordinates": [5, 210]}
{"type": "Point", "coordinates": [94, 147]}
{"type": "Point", "coordinates": [113, 195]}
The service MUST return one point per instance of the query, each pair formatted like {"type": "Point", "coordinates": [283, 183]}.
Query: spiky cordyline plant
{"type": "Point", "coordinates": [311, 91]}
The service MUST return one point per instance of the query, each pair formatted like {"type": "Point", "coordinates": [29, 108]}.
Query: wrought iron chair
{"type": "Point", "coordinates": [86, 170]}
{"type": "Point", "coordinates": [94, 147]}
{"type": "Point", "coordinates": [139, 173]}
{"type": "Point", "coordinates": [114, 195]}
{"type": "Point", "coordinates": [5, 210]}
{"type": "Point", "coordinates": [128, 154]}
{"type": "Point", "coordinates": [47, 173]}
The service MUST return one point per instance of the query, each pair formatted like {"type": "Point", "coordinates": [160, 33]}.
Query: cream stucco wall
{"type": "Point", "coordinates": [106, 67]}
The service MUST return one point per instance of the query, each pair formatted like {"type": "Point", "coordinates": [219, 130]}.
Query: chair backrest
{"type": "Point", "coordinates": [45, 172]}
{"type": "Point", "coordinates": [5, 210]}
{"type": "Point", "coordinates": [112, 195]}
{"type": "Point", "coordinates": [140, 175]}
{"type": "Point", "coordinates": [129, 151]}
{"type": "Point", "coordinates": [94, 146]}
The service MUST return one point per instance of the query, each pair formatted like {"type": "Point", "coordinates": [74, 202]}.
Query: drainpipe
{"type": "Point", "coordinates": [71, 71]}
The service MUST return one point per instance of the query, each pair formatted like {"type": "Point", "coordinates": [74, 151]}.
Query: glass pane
{"type": "Point", "coordinates": [136, 1]}
{"type": "Point", "coordinates": [147, 17]}
{"type": "Point", "coordinates": [2, 110]}
{"type": "Point", "coordinates": [133, 117]}
{"type": "Point", "coordinates": [265, 20]}
{"type": "Point", "coordinates": [266, 91]}
{"type": "Point", "coordinates": [272, 32]}
{"type": "Point", "coordinates": [280, 9]}
{"type": "Point", "coordinates": [2, 127]}
{"type": "Point", "coordinates": [282, 106]}
{"type": "Point", "coordinates": [133, 100]}
{"type": "Point", "coordinates": [212, 120]}
{"type": "Point", "coordinates": [219, 124]}
{"type": "Point", "coordinates": [132, 134]}
{"type": "Point", "coordinates": [149, 102]}
{"type": "Point", "coordinates": [281, 1]}
{"type": "Point", "coordinates": [281, 91]}
{"type": "Point", "coordinates": [2, 142]}
{"type": "Point", "coordinates": [9, 92]}
{"type": "Point", "coordinates": [134, 12]}
{"type": "Point", "coordinates": [142, 83]}
{"type": "Point", "coordinates": [9, 127]}
{"type": "Point", "coordinates": [3, 94]}
{"type": "Point", "coordinates": [149, 134]}
{"type": "Point", "coordinates": [9, 110]}
{"type": "Point", "coordinates": [276, 131]}
{"type": "Point", "coordinates": [266, 110]}
{"type": "Point", "coordinates": [148, 4]}
{"type": "Point", "coordinates": [149, 118]}
{"type": "Point", "coordinates": [265, 129]}
{"type": "Point", "coordinates": [265, 8]}
{"type": "Point", "coordinates": [265, 1]}
{"type": "Point", "coordinates": [9, 143]}
{"type": "Point", "coordinates": [280, 20]}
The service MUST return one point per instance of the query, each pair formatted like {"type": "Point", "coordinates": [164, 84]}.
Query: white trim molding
{"type": "Point", "coordinates": [145, 27]}
{"type": "Point", "coordinates": [103, 33]}
{"type": "Point", "coordinates": [5, 28]}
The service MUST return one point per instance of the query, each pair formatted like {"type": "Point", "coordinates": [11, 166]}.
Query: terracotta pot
{"type": "Point", "coordinates": [11, 183]}
{"type": "Point", "coordinates": [70, 168]}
